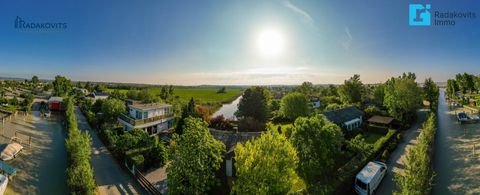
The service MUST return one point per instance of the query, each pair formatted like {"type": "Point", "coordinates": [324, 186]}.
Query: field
{"type": "Point", "coordinates": [202, 96]}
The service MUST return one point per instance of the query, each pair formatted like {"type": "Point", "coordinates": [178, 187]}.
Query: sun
{"type": "Point", "coordinates": [270, 42]}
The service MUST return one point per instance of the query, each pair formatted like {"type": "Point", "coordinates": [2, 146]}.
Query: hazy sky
{"type": "Point", "coordinates": [235, 42]}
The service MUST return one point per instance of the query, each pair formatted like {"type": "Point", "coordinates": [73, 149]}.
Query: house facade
{"type": "Point", "coordinates": [55, 103]}
{"type": "Point", "coordinates": [100, 95]}
{"type": "Point", "coordinates": [153, 118]}
{"type": "Point", "coordinates": [348, 118]}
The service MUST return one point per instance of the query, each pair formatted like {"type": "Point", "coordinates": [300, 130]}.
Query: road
{"type": "Point", "coordinates": [109, 175]}
{"type": "Point", "coordinates": [457, 171]}
{"type": "Point", "coordinates": [395, 162]}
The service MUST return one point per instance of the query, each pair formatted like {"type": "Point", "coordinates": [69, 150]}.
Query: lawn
{"type": "Point", "coordinates": [201, 95]}
{"type": "Point", "coordinates": [372, 138]}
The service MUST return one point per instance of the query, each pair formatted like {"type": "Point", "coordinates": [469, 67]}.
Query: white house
{"type": "Point", "coordinates": [100, 95]}
{"type": "Point", "coordinates": [315, 102]}
{"type": "Point", "coordinates": [153, 118]}
{"type": "Point", "coordinates": [348, 118]}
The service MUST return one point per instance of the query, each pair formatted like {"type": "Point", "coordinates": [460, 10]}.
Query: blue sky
{"type": "Point", "coordinates": [215, 42]}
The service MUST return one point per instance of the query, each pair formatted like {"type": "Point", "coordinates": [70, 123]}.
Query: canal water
{"type": "Point", "coordinates": [228, 110]}
{"type": "Point", "coordinates": [41, 165]}
{"type": "Point", "coordinates": [457, 167]}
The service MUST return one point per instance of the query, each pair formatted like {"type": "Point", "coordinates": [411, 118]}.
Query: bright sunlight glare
{"type": "Point", "coordinates": [270, 43]}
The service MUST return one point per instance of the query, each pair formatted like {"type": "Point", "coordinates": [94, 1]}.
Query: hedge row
{"type": "Point", "coordinates": [80, 178]}
{"type": "Point", "coordinates": [418, 172]}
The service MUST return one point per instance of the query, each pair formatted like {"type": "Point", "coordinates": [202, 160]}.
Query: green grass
{"type": "Point", "coordinates": [201, 95]}
{"type": "Point", "coordinates": [372, 138]}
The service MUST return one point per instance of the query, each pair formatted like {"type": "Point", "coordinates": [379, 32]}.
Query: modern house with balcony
{"type": "Point", "coordinates": [153, 118]}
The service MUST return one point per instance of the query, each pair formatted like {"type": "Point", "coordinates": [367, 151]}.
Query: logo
{"type": "Point", "coordinates": [419, 15]}
{"type": "Point", "coordinates": [39, 26]}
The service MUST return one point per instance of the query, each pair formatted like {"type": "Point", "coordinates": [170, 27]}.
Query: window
{"type": "Point", "coordinates": [361, 184]}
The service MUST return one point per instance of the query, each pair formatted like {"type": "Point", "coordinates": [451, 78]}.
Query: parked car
{"type": "Point", "coordinates": [369, 178]}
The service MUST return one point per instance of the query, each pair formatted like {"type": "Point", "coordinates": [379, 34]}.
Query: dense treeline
{"type": "Point", "coordinates": [418, 173]}
{"type": "Point", "coordinates": [463, 83]}
{"type": "Point", "coordinates": [80, 177]}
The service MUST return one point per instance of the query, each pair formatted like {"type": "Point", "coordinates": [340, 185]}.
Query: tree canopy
{"type": "Point", "coordinates": [112, 108]}
{"type": "Point", "coordinates": [317, 142]}
{"type": "Point", "coordinates": [294, 105]}
{"type": "Point", "coordinates": [196, 158]}
{"type": "Point", "coordinates": [352, 90]}
{"type": "Point", "coordinates": [265, 165]}
{"type": "Point", "coordinates": [402, 97]}
{"type": "Point", "coordinates": [61, 86]}
{"type": "Point", "coordinates": [254, 103]}
{"type": "Point", "coordinates": [431, 92]}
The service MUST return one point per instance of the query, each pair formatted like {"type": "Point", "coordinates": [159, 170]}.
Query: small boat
{"type": "Point", "coordinates": [10, 151]}
{"type": "Point", "coordinates": [462, 117]}
{"type": "Point", "coordinates": [3, 183]}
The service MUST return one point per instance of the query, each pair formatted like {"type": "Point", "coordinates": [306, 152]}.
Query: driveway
{"type": "Point", "coordinates": [109, 175]}
{"type": "Point", "coordinates": [396, 160]}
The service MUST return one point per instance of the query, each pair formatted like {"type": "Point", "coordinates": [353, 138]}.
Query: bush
{"type": "Point", "coordinates": [139, 161]}
{"type": "Point", "coordinates": [80, 177]}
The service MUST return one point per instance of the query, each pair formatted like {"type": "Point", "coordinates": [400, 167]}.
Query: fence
{"type": "Point", "coordinates": [149, 187]}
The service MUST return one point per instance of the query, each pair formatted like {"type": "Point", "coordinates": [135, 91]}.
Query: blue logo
{"type": "Point", "coordinates": [419, 15]}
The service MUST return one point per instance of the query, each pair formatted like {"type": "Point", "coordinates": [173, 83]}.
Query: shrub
{"type": "Point", "coordinates": [80, 178]}
{"type": "Point", "coordinates": [139, 161]}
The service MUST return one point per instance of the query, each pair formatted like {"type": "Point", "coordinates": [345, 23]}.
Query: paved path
{"type": "Point", "coordinates": [396, 161]}
{"type": "Point", "coordinates": [110, 177]}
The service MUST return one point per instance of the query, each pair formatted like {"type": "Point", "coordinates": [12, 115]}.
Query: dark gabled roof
{"type": "Point", "coordinates": [99, 93]}
{"type": "Point", "coordinates": [231, 138]}
{"type": "Point", "coordinates": [343, 115]}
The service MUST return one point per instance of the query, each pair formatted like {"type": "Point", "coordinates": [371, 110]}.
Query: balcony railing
{"type": "Point", "coordinates": [136, 122]}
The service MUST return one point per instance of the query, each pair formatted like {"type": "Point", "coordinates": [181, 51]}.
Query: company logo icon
{"type": "Point", "coordinates": [419, 15]}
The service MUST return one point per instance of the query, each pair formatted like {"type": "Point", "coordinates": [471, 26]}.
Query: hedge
{"type": "Point", "coordinates": [418, 173]}
{"type": "Point", "coordinates": [80, 178]}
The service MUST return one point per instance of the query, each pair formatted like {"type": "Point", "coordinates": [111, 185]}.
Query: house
{"type": "Point", "coordinates": [154, 118]}
{"type": "Point", "coordinates": [82, 90]}
{"type": "Point", "coordinates": [315, 102]}
{"type": "Point", "coordinates": [230, 138]}
{"type": "Point", "coordinates": [55, 103]}
{"type": "Point", "coordinates": [347, 118]}
{"type": "Point", "coordinates": [100, 95]}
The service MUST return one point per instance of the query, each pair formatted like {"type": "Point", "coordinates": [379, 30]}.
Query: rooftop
{"type": "Point", "coordinates": [343, 115]}
{"type": "Point", "coordinates": [97, 93]}
{"type": "Point", "coordinates": [146, 107]}
{"type": "Point", "coordinates": [380, 119]}
{"type": "Point", "coordinates": [231, 138]}
{"type": "Point", "coordinates": [367, 173]}
{"type": "Point", "coordinates": [55, 99]}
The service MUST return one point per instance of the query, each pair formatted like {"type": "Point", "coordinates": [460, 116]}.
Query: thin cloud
{"type": "Point", "coordinates": [348, 42]}
{"type": "Point", "coordinates": [306, 17]}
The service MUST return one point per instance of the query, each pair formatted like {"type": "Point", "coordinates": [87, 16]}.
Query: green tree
{"type": "Point", "coordinates": [431, 92]}
{"type": "Point", "coordinates": [317, 142]}
{"type": "Point", "coordinates": [196, 158]}
{"type": "Point", "coordinates": [254, 103]}
{"type": "Point", "coordinates": [358, 146]}
{"type": "Point", "coordinates": [265, 165]}
{"type": "Point", "coordinates": [452, 88]}
{"type": "Point", "coordinates": [112, 108]}
{"type": "Point", "coordinates": [101, 87]}
{"type": "Point", "coordinates": [61, 86]}
{"type": "Point", "coordinates": [402, 97]}
{"type": "Point", "coordinates": [306, 88]}
{"type": "Point", "coordinates": [294, 105]}
{"type": "Point", "coordinates": [147, 97]}
{"type": "Point", "coordinates": [188, 111]}
{"type": "Point", "coordinates": [379, 94]}
{"type": "Point", "coordinates": [35, 80]}
{"type": "Point", "coordinates": [351, 92]}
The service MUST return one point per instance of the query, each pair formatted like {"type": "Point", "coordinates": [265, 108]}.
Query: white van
{"type": "Point", "coordinates": [369, 178]}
